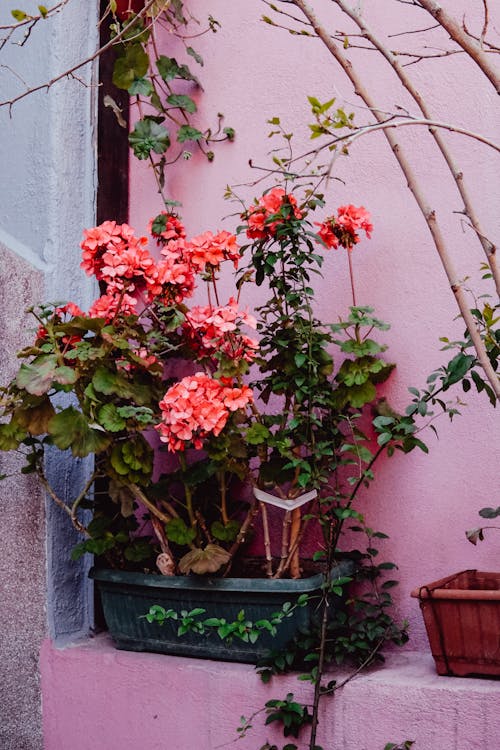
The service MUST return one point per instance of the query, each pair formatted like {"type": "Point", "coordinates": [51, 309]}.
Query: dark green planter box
{"type": "Point", "coordinates": [126, 597]}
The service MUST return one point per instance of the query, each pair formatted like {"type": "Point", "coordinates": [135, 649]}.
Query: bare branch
{"type": "Point", "coordinates": [428, 213]}
{"type": "Point", "coordinates": [474, 49]}
{"type": "Point", "coordinates": [469, 210]}
{"type": "Point", "coordinates": [70, 71]}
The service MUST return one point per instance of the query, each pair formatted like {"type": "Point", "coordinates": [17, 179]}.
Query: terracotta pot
{"type": "Point", "coordinates": [125, 7]}
{"type": "Point", "coordinates": [462, 618]}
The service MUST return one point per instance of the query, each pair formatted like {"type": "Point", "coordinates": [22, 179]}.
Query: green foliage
{"type": "Point", "coordinates": [241, 628]}
{"type": "Point", "coordinates": [292, 715]}
{"type": "Point", "coordinates": [148, 136]}
{"type": "Point", "coordinates": [154, 79]}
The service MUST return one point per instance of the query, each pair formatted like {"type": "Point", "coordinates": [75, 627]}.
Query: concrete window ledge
{"type": "Point", "coordinates": [98, 698]}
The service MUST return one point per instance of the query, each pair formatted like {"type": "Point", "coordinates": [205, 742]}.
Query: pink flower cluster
{"type": "Point", "coordinates": [115, 256]}
{"type": "Point", "coordinates": [210, 330]}
{"type": "Point", "coordinates": [196, 407]}
{"type": "Point", "coordinates": [270, 205]}
{"type": "Point", "coordinates": [173, 279]}
{"type": "Point", "coordinates": [166, 226]}
{"type": "Point", "coordinates": [208, 250]}
{"type": "Point", "coordinates": [343, 229]}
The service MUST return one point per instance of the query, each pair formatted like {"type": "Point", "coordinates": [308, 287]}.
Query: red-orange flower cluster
{"type": "Point", "coordinates": [166, 226]}
{"type": "Point", "coordinates": [276, 203]}
{"type": "Point", "coordinates": [208, 250]}
{"type": "Point", "coordinates": [343, 229]}
{"type": "Point", "coordinates": [196, 407]}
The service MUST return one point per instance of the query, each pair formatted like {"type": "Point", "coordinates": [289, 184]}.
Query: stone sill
{"type": "Point", "coordinates": [97, 697]}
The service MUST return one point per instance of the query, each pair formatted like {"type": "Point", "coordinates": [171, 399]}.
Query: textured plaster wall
{"type": "Point", "coordinates": [254, 72]}
{"type": "Point", "coordinates": [47, 194]}
{"type": "Point", "coordinates": [23, 611]}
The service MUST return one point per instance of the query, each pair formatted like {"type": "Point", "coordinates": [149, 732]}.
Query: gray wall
{"type": "Point", "coordinates": [47, 195]}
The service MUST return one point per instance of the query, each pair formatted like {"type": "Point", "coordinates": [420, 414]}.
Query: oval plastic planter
{"type": "Point", "coordinates": [126, 598]}
{"type": "Point", "coordinates": [462, 618]}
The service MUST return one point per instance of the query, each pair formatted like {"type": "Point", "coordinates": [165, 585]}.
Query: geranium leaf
{"type": "Point", "coordinates": [37, 376]}
{"type": "Point", "coordinates": [201, 561]}
{"type": "Point", "coordinates": [70, 429]}
{"type": "Point", "coordinates": [110, 418]}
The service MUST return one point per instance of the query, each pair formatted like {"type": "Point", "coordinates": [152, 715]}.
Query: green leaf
{"type": "Point", "coordinates": [168, 67]}
{"type": "Point", "coordinates": [183, 102]}
{"type": "Point", "coordinates": [225, 533]}
{"type": "Point", "coordinates": [133, 64]}
{"type": "Point", "coordinates": [257, 433]}
{"type": "Point", "coordinates": [110, 418]}
{"type": "Point", "coordinates": [141, 87]}
{"type": "Point", "coordinates": [177, 531]}
{"type": "Point", "coordinates": [489, 512]}
{"type": "Point", "coordinates": [10, 435]}
{"type": "Point", "coordinates": [458, 367]}
{"type": "Point", "coordinates": [43, 11]}
{"type": "Point", "coordinates": [149, 136]}
{"type": "Point", "coordinates": [70, 429]}
{"type": "Point", "coordinates": [19, 15]}
{"type": "Point", "coordinates": [188, 133]}
{"type": "Point", "coordinates": [195, 55]}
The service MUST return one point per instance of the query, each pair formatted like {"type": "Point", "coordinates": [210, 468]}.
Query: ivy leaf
{"type": "Point", "coordinates": [195, 55]}
{"type": "Point", "coordinates": [149, 136]}
{"type": "Point", "coordinates": [188, 133]}
{"type": "Point", "coordinates": [183, 102]}
{"type": "Point", "coordinates": [70, 429]}
{"type": "Point", "coordinates": [168, 67]}
{"type": "Point", "coordinates": [133, 64]}
{"type": "Point", "coordinates": [141, 87]}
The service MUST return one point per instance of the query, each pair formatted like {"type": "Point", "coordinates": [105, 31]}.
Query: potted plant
{"type": "Point", "coordinates": [462, 616]}
{"type": "Point", "coordinates": [189, 457]}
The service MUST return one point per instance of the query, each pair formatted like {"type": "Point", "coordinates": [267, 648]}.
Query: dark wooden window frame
{"type": "Point", "coordinates": [112, 141]}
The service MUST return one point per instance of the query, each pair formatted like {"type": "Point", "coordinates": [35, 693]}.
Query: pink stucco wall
{"type": "Point", "coordinates": [95, 696]}
{"type": "Point", "coordinates": [253, 72]}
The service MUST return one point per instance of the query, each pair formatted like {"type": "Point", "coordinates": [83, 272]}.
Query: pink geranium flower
{"type": "Point", "coordinates": [196, 407]}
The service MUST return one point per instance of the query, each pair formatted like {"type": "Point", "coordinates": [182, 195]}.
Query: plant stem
{"type": "Point", "coordinates": [351, 277]}
{"type": "Point", "coordinates": [267, 540]}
